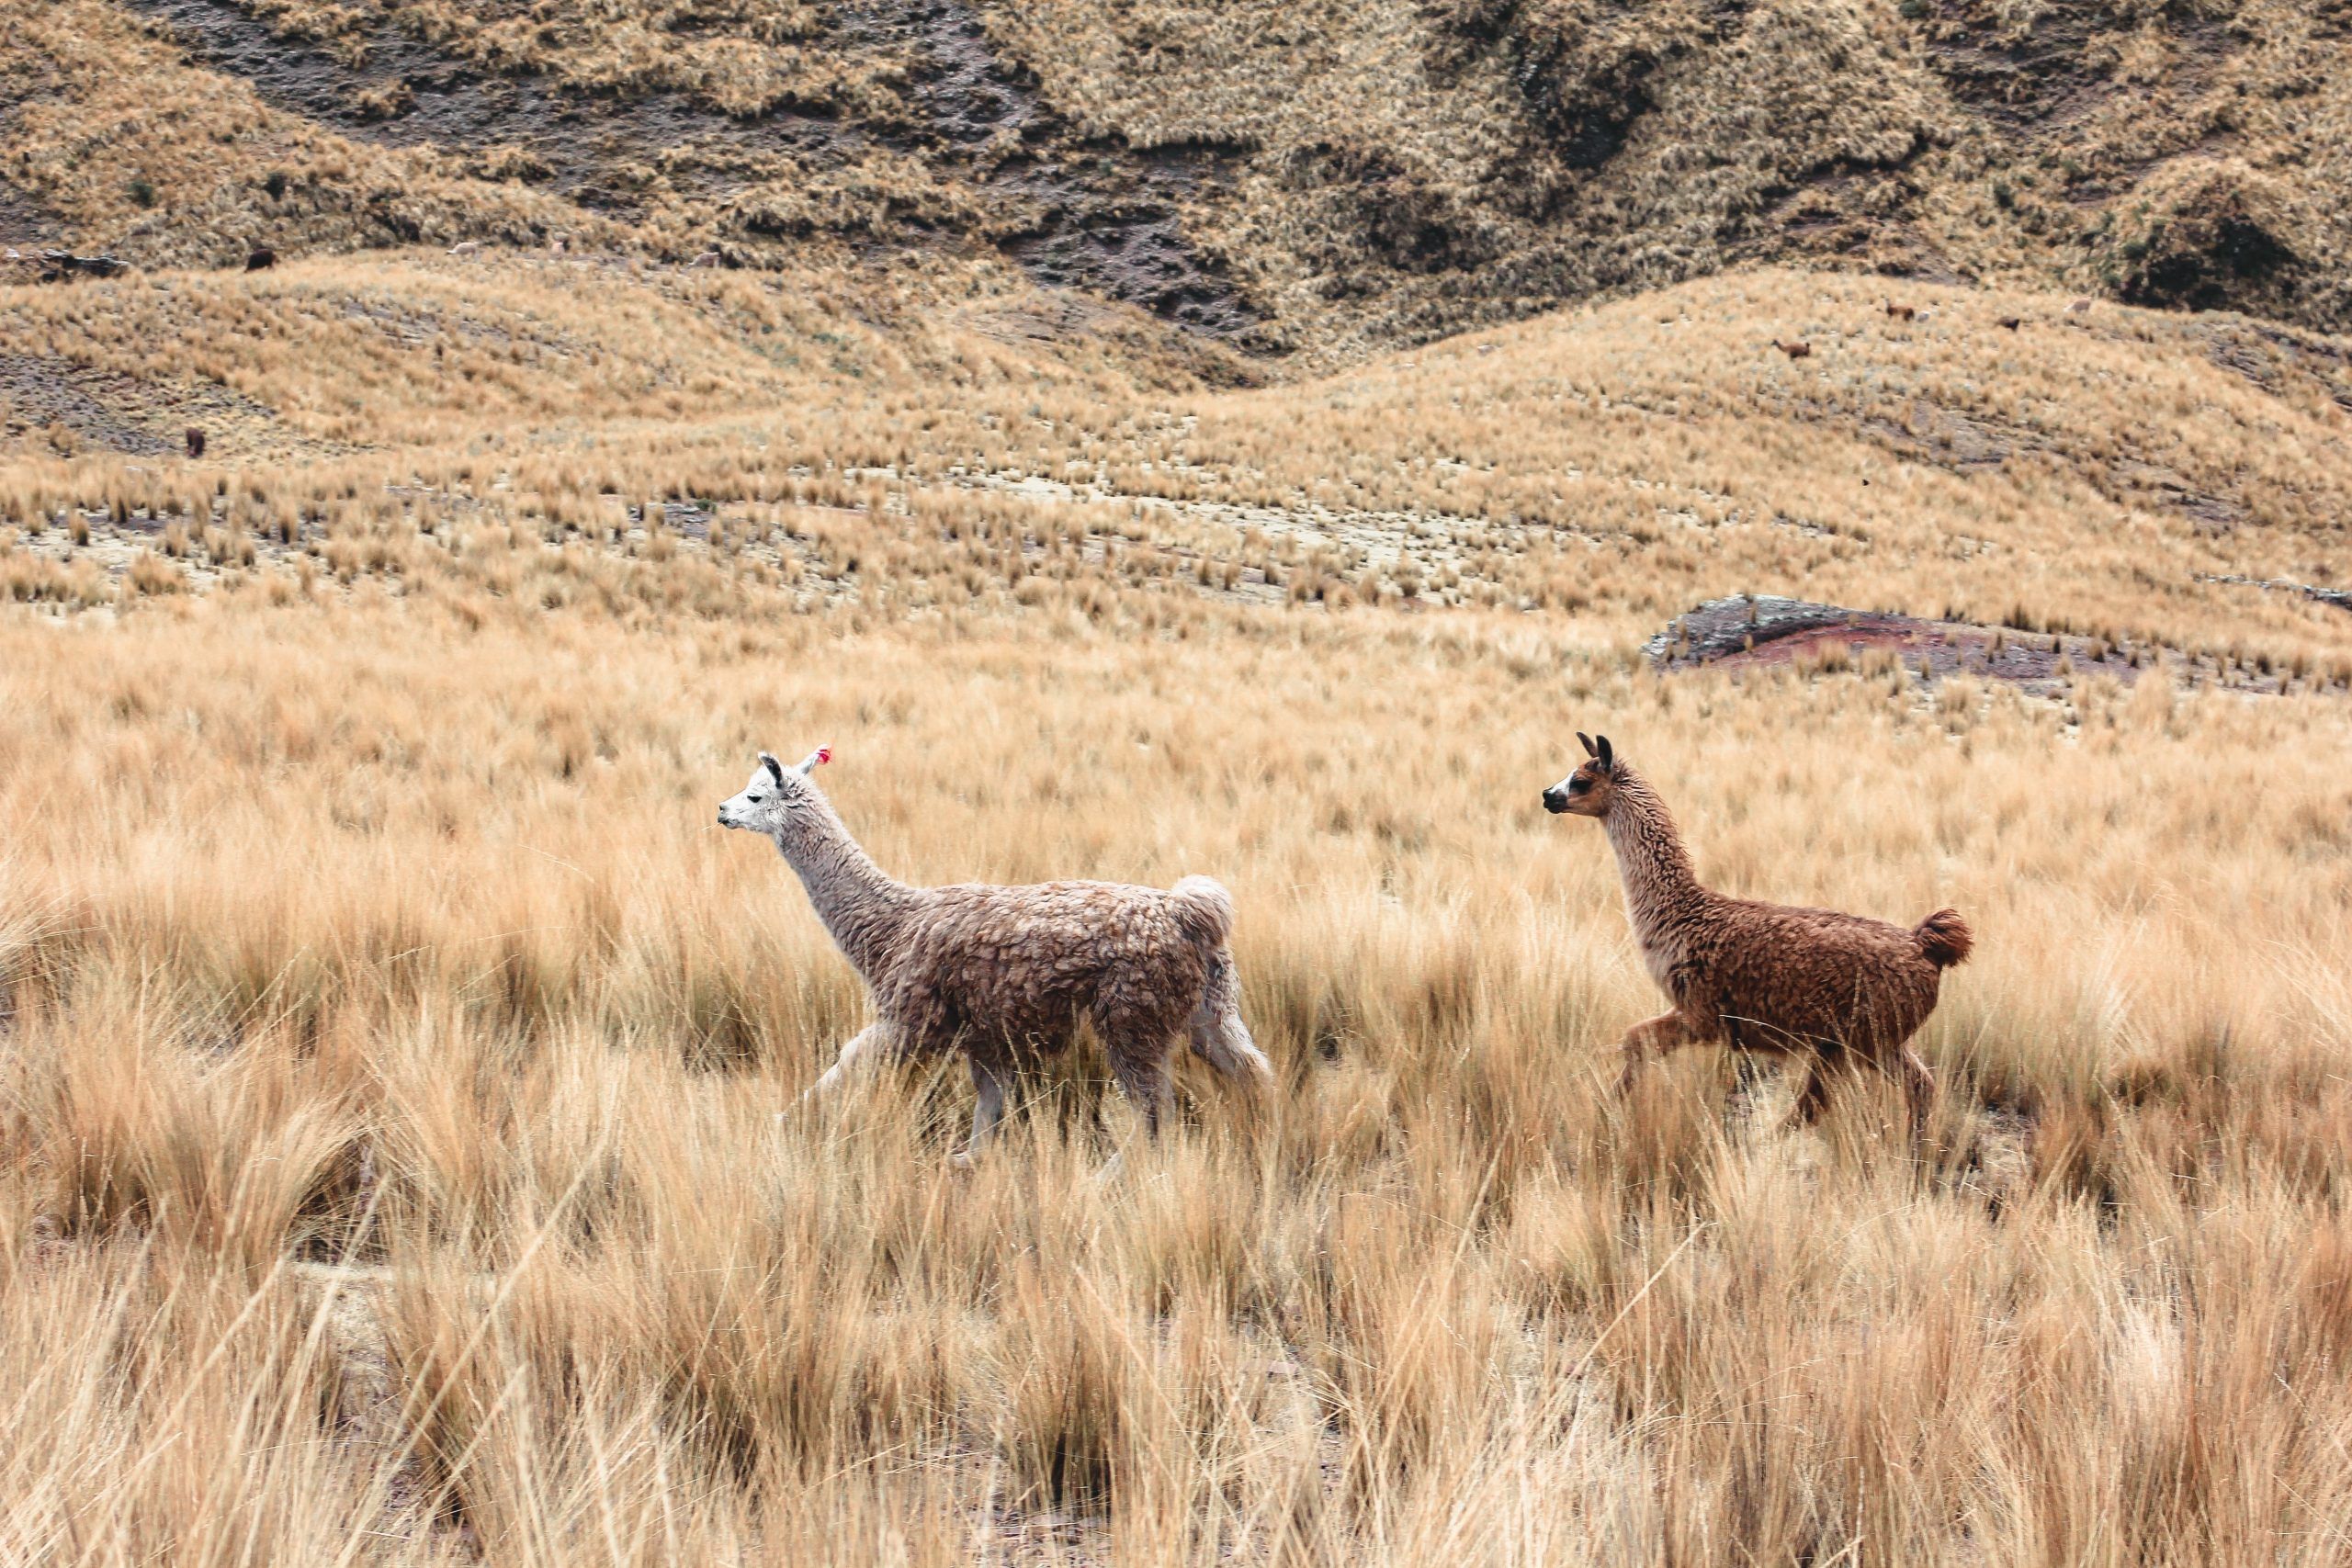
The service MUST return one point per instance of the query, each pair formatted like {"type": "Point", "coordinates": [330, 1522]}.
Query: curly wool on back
{"type": "Point", "coordinates": [1760, 976]}
{"type": "Point", "coordinates": [1003, 975]}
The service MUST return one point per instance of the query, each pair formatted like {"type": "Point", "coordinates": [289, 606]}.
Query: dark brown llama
{"type": "Point", "coordinates": [1837, 990]}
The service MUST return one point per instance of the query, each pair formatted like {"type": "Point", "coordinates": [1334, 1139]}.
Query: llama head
{"type": "Point", "coordinates": [1592, 788]}
{"type": "Point", "coordinates": [767, 804]}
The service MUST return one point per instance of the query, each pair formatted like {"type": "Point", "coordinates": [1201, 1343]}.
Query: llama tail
{"type": "Point", "coordinates": [1216, 1033]}
{"type": "Point", "coordinates": [1204, 914]}
{"type": "Point", "coordinates": [1945, 937]}
{"type": "Point", "coordinates": [1204, 909]}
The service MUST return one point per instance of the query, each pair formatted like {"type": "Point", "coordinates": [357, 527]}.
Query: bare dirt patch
{"type": "Point", "coordinates": [25, 224]}
{"type": "Point", "coordinates": [1765, 631]}
{"type": "Point", "coordinates": [2340, 598]}
{"type": "Point", "coordinates": [120, 412]}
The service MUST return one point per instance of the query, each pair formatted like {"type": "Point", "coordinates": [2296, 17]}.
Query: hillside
{"type": "Point", "coordinates": [1249, 441]}
{"type": "Point", "coordinates": [1304, 182]}
{"type": "Point", "coordinates": [2102, 472]}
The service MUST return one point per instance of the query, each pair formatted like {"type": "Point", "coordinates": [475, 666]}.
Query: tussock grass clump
{"type": "Point", "coordinates": [398, 1171]}
{"type": "Point", "coordinates": [393, 1040]}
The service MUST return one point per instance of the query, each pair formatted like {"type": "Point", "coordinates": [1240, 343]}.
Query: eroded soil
{"type": "Point", "coordinates": [1762, 631]}
{"type": "Point", "coordinates": [1073, 212]}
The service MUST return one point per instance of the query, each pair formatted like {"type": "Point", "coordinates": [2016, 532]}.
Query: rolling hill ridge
{"type": "Point", "coordinates": [1304, 183]}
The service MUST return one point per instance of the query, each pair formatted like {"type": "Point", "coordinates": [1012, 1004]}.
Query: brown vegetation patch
{"type": "Point", "coordinates": [422, 958]}
{"type": "Point", "coordinates": [1748, 631]}
{"type": "Point", "coordinates": [1313, 179]}
{"type": "Point", "coordinates": [362, 903]}
{"type": "Point", "coordinates": [1942, 436]}
{"type": "Point", "coordinates": [25, 224]}
{"type": "Point", "coordinates": [902, 128]}
{"type": "Point", "coordinates": [1758, 631]}
{"type": "Point", "coordinates": [120, 412]}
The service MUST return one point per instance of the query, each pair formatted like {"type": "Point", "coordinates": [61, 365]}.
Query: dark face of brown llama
{"type": "Point", "coordinates": [1590, 791]}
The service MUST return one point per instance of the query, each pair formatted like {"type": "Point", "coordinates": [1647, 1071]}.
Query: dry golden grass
{"type": "Point", "coordinates": [2081, 474]}
{"type": "Point", "coordinates": [393, 1043]}
{"type": "Point", "coordinates": [138, 151]}
{"type": "Point", "coordinates": [1404, 169]}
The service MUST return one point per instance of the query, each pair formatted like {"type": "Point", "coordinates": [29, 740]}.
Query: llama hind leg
{"type": "Point", "coordinates": [1812, 1096]}
{"type": "Point", "coordinates": [1139, 1032]}
{"type": "Point", "coordinates": [989, 1083]}
{"type": "Point", "coordinates": [1918, 1087]}
{"type": "Point", "coordinates": [1143, 1080]}
{"type": "Point", "coordinates": [1146, 1085]}
{"type": "Point", "coordinates": [1903, 1065]}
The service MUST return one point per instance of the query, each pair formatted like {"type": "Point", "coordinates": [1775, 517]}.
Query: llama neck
{"type": "Point", "coordinates": [862, 907]}
{"type": "Point", "coordinates": [1660, 886]}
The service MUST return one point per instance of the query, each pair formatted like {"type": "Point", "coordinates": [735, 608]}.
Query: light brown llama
{"type": "Point", "coordinates": [1765, 977]}
{"type": "Point", "coordinates": [1800, 349]}
{"type": "Point", "coordinates": [1003, 975]}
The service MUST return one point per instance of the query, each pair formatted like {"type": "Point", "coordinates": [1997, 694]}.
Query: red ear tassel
{"type": "Point", "coordinates": [824, 755]}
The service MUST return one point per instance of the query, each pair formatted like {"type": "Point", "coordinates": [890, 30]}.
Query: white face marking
{"type": "Point", "coordinates": [773, 788]}
{"type": "Point", "coordinates": [755, 808]}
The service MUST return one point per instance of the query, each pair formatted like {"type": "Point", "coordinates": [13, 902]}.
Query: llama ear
{"type": "Point", "coordinates": [1607, 759]}
{"type": "Point", "coordinates": [1588, 743]}
{"type": "Point", "coordinates": [775, 768]}
{"type": "Point", "coordinates": [809, 764]}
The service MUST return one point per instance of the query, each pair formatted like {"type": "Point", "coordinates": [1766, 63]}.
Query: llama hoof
{"type": "Point", "coordinates": [962, 1159]}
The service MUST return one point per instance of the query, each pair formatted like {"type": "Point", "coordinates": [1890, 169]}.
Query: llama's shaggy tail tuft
{"type": "Point", "coordinates": [1218, 1035]}
{"type": "Point", "coordinates": [1204, 909]}
{"type": "Point", "coordinates": [1945, 937]}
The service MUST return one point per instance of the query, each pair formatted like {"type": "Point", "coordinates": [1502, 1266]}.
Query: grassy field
{"type": "Point", "coordinates": [393, 1041]}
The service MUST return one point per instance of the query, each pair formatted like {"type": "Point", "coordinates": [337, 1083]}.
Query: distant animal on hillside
{"type": "Point", "coordinates": [708, 258]}
{"type": "Point", "coordinates": [1798, 350]}
{"type": "Point", "coordinates": [260, 258]}
{"type": "Point", "coordinates": [1002, 976]}
{"type": "Point", "coordinates": [1765, 977]}
{"type": "Point", "coordinates": [2012, 322]}
{"type": "Point", "coordinates": [1895, 312]}
{"type": "Point", "coordinates": [195, 441]}
{"type": "Point", "coordinates": [2079, 307]}
{"type": "Point", "coordinates": [466, 248]}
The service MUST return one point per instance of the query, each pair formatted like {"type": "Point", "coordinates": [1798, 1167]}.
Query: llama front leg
{"type": "Point", "coordinates": [861, 1045]}
{"type": "Point", "coordinates": [1653, 1037]}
